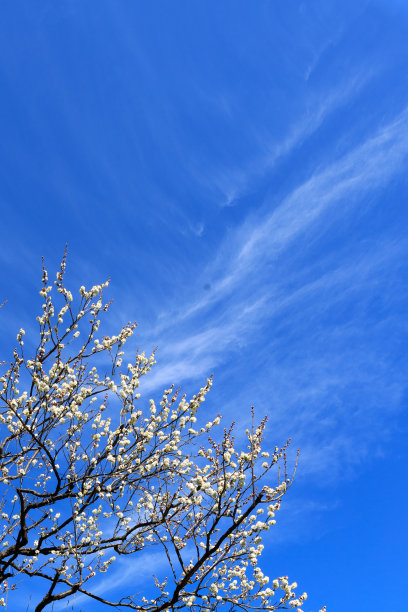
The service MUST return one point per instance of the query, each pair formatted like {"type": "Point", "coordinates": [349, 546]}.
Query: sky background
{"type": "Point", "coordinates": [239, 170]}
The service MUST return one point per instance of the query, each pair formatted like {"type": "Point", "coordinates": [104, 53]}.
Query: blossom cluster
{"type": "Point", "coordinates": [88, 474]}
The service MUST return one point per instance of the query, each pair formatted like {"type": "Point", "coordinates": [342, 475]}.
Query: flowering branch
{"type": "Point", "coordinates": [87, 476]}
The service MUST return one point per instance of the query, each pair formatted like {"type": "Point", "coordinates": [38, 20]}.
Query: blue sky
{"type": "Point", "coordinates": [239, 170]}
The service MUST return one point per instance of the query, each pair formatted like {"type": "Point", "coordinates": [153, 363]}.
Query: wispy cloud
{"type": "Point", "coordinates": [335, 189]}
{"type": "Point", "coordinates": [235, 182]}
{"type": "Point", "coordinates": [247, 293]}
{"type": "Point", "coordinates": [137, 576]}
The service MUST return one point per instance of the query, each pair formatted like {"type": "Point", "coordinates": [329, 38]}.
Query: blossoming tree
{"type": "Point", "coordinates": [89, 476]}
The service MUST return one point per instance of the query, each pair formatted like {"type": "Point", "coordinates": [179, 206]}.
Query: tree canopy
{"type": "Point", "coordinates": [91, 475]}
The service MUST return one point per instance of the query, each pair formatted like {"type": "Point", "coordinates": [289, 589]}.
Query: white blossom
{"type": "Point", "coordinates": [88, 469]}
